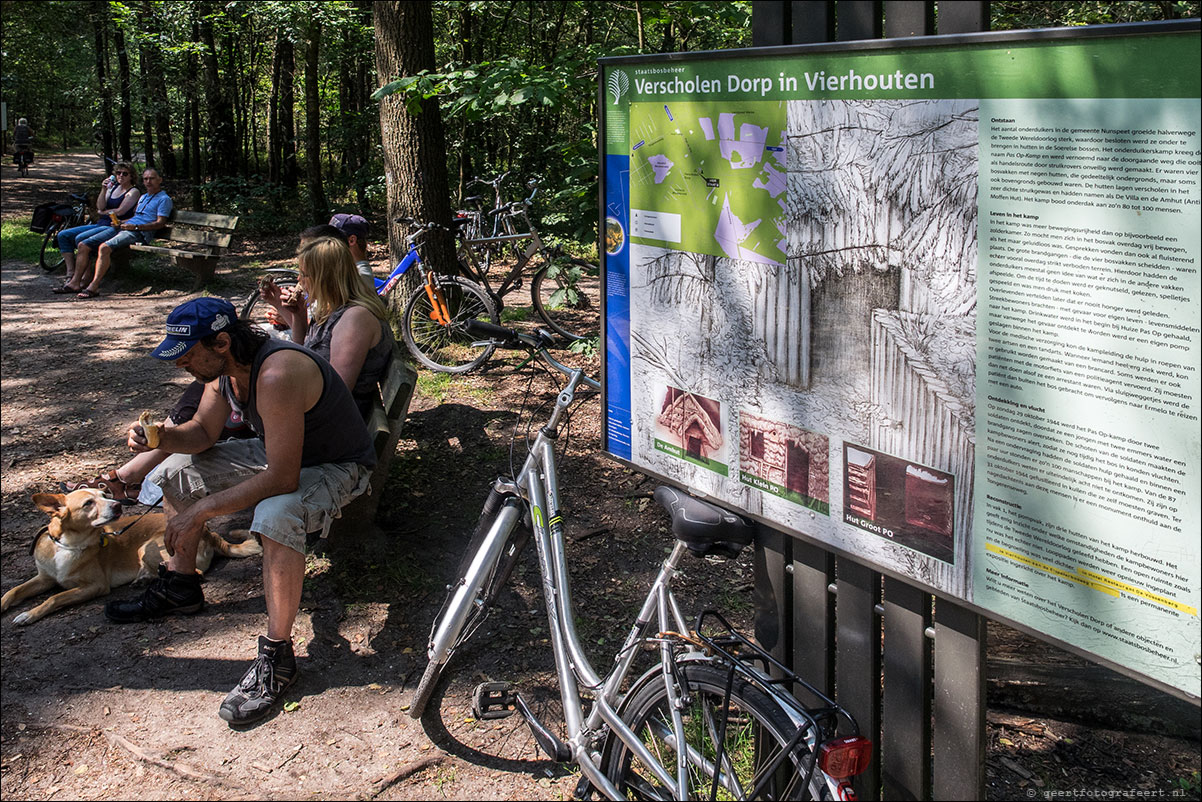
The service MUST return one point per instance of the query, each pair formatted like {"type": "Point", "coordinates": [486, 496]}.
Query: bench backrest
{"type": "Point", "coordinates": [183, 220]}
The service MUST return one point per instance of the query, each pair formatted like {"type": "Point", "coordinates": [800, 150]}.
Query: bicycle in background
{"type": "Point", "coordinates": [715, 716]}
{"type": "Point", "coordinates": [61, 217]}
{"type": "Point", "coordinates": [564, 291]}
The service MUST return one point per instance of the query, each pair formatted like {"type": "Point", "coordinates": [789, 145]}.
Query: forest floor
{"type": "Point", "coordinates": [91, 710]}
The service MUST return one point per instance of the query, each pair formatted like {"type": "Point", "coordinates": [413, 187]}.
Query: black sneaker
{"type": "Point", "coordinates": [263, 685]}
{"type": "Point", "coordinates": [170, 594]}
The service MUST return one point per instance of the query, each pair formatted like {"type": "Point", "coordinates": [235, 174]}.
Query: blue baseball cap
{"type": "Point", "coordinates": [192, 321]}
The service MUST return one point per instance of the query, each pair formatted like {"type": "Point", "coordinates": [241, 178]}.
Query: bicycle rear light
{"type": "Point", "coordinates": [845, 757]}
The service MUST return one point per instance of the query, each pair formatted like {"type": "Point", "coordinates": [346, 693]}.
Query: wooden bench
{"type": "Point", "coordinates": [194, 241]}
{"type": "Point", "coordinates": [384, 424]}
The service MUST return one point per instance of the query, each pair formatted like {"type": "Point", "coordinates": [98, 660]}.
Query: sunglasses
{"type": "Point", "coordinates": [122, 172]}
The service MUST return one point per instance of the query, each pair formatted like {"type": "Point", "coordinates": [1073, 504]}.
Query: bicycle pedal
{"type": "Point", "coordinates": [493, 700]}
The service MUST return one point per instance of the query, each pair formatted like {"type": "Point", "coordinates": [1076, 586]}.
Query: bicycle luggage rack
{"type": "Point", "coordinates": [740, 650]}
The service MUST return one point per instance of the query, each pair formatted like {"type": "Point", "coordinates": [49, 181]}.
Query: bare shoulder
{"type": "Point", "coordinates": [288, 365]}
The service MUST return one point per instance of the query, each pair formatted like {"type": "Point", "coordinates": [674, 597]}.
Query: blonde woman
{"type": "Point", "coordinates": [335, 315]}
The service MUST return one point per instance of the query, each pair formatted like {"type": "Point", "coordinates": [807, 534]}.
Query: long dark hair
{"type": "Point", "coordinates": [245, 341]}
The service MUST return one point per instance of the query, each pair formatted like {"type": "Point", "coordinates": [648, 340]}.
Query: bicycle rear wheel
{"type": "Point", "coordinates": [752, 730]}
{"type": "Point", "coordinates": [479, 602]}
{"type": "Point", "coordinates": [50, 259]}
{"type": "Point", "coordinates": [448, 348]}
{"type": "Point", "coordinates": [259, 313]}
{"type": "Point", "coordinates": [567, 295]}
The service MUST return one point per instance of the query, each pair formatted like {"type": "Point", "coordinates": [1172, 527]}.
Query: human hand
{"type": "Point", "coordinates": [136, 439]}
{"type": "Point", "coordinates": [183, 532]}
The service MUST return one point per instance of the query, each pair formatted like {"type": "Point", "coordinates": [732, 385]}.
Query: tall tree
{"type": "Point", "coordinates": [317, 195]}
{"type": "Point", "coordinates": [155, 83]}
{"type": "Point", "coordinates": [415, 163]}
{"type": "Point", "coordinates": [123, 92]}
{"type": "Point", "coordinates": [286, 112]}
{"type": "Point", "coordinates": [223, 140]}
{"type": "Point", "coordinates": [100, 16]}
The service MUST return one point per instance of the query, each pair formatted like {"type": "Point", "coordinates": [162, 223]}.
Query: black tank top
{"type": "Point", "coordinates": [334, 429]}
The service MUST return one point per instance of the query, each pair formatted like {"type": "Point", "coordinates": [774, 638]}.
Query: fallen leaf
{"type": "Point", "coordinates": [290, 706]}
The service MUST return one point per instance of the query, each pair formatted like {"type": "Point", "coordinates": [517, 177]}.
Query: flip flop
{"type": "Point", "coordinates": [88, 294]}
{"type": "Point", "coordinates": [64, 290]}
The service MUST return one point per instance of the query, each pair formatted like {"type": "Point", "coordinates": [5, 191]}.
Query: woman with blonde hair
{"type": "Point", "coordinates": [336, 315]}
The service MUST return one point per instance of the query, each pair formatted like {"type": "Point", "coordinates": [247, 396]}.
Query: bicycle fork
{"type": "Point", "coordinates": [439, 312]}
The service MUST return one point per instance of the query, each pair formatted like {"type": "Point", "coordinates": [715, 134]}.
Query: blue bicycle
{"type": "Point", "coordinates": [435, 316]}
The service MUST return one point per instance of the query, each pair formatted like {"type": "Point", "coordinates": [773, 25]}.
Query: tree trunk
{"type": "Point", "coordinates": [317, 195]}
{"type": "Point", "coordinates": [223, 145]}
{"type": "Point", "coordinates": [155, 91]}
{"type": "Point", "coordinates": [144, 76]}
{"type": "Point", "coordinates": [273, 114]}
{"type": "Point", "coordinates": [194, 117]}
{"type": "Point", "coordinates": [286, 111]}
{"type": "Point", "coordinates": [123, 89]}
{"type": "Point", "coordinates": [415, 166]}
{"type": "Point", "coordinates": [100, 19]}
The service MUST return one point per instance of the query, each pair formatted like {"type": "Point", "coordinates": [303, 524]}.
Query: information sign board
{"type": "Point", "coordinates": [934, 305]}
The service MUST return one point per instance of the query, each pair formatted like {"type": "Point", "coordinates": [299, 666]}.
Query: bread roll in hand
{"type": "Point", "coordinates": [150, 429]}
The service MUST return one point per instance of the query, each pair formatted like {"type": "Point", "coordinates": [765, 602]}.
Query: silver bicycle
{"type": "Point", "coordinates": [715, 716]}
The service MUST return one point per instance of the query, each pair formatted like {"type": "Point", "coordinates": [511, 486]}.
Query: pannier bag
{"type": "Point", "coordinates": [23, 156]}
{"type": "Point", "coordinates": [46, 213]}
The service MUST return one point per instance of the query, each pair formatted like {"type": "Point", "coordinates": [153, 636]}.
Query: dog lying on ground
{"type": "Point", "coordinates": [78, 550]}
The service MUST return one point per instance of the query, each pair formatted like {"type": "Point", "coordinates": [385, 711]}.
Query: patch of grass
{"type": "Point", "coordinates": [18, 242]}
{"type": "Point", "coordinates": [514, 314]}
{"type": "Point", "coordinates": [434, 385]}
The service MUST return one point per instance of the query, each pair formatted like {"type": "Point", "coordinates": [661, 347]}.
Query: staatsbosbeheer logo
{"type": "Point", "coordinates": [618, 85]}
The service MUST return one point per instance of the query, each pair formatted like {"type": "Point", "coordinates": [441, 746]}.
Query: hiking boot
{"type": "Point", "coordinates": [171, 594]}
{"type": "Point", "coordinates": [263, 685]}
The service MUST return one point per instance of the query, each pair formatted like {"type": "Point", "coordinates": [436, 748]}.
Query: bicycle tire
{"type": "Point", "coordinates": [52, 260]}
{"type": "Point", "coordinates": [757, 730]}
{"type": "Point", "coordinates": [23, 169]}
{"type": "Point", "coordinates": [566, 293]}
{"type": "Point", "coordinates": [255, 310]}
{"type": "Point", "coordinates": [449, 349]}
{"type": "Point", "coordinates": [481, 601]}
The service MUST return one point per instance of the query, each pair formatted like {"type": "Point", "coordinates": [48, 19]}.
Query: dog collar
{"type": "Point", "coordinates": [45, 530]}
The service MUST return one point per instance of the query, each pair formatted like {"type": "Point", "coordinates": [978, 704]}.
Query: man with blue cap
{"type": "Point", "coordinates": [312, 455]}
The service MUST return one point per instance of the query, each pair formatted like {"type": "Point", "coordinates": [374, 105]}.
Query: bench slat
{"type": "Point", "coordinates": [205, 254]}
{"type": "Point", "coordinates": [188, 217]}
{"type": "Point", "coordinates": [399, 376]}
{"type": "Point", "coordinates": [212, 239]}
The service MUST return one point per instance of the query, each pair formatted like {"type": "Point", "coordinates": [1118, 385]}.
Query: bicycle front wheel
{"type": "Point", "coordinates": [567, 295]}
{"type": "Point", "coordinates": [448, 347]}
{"type": "Point", "coordinates": [50, 258]}
{"type": "Point", "coordinates": [465, 613]}
{"type": "Point", "coordinates": [261, 314]}
{"type": "Point", "coordinates": [750, 732]}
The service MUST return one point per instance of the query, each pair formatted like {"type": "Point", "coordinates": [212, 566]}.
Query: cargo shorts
{"type": "Point", "coordinates": [287, 519]}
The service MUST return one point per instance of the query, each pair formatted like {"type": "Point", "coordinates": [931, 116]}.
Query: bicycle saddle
{"type": "Point", "coordinates": [703, 527]}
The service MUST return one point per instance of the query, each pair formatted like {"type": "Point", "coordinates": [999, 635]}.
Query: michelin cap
{"type": "Point", "coordinates": [350, 224]}
{"type": "Point", "coordinates": [192, 321]}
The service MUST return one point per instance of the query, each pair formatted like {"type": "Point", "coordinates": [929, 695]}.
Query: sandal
{"type": "Point", "coordinates": [64, 290]}
{"type": "Point", "coordinates": [86, 293]}
{"type": "Point", "coordinates": [110, 484]}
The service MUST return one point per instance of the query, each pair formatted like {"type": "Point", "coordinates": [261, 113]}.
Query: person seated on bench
{"type": "Point", "coordinates": [349, 325]}
{"type": "Point", "coordinates": [116, 198]}
{"type": "Point", "coordinates": [359, 358]}
{"type": "Point", "coordinates": [312, 457]}
{"type": "Point", "coordinates": [152, 213]}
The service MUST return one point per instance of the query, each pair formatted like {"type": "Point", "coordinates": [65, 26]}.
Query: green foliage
{"type": "Point", "coordinates": [1020, 14]}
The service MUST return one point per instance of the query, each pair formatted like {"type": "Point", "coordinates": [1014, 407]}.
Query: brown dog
{"type": "Point", "coordinates": [79, 551]}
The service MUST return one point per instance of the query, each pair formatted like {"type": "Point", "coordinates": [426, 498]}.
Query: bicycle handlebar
{"type": "Point", "coordinates": [517, 341]}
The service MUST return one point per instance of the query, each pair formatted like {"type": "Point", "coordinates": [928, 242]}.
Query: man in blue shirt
{"type": "Point", "coordinates": [152, 213]}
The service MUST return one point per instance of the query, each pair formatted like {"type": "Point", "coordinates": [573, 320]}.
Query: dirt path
{"type": "Point", "coordinates": [94, 711]}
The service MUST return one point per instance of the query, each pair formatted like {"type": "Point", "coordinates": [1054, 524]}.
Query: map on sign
{"type": "Point", "coordinates": [709, 177]}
